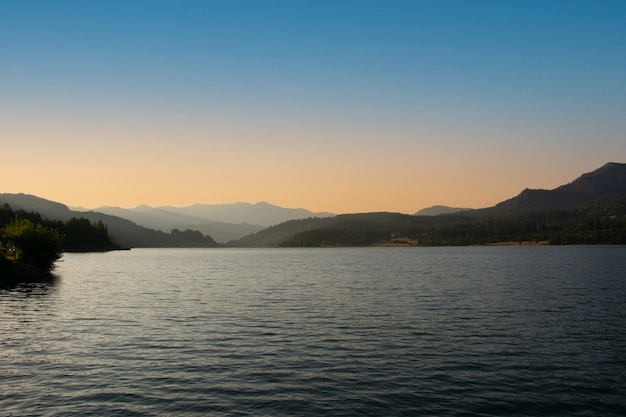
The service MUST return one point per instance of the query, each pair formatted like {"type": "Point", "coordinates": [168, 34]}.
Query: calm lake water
{"type": "Point", "coordinates": [473, 331]}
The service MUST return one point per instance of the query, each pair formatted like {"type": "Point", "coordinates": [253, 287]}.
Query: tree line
{"type": "Point", "coordinates": [25, 237]}
{"type": "Point", "coordinates": [600, 223]}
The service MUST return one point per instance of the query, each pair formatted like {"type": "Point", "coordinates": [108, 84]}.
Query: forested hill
{"type": "Point", "coordinates": [77, 234]}
{"type": "Point", "coordinates": [589, 210]}
{"type": "Point", "coordinates": [587, 189]}
{"type": "Point", "coordinates": [603, 222]}
{"type": "Point", "coordinates": [125, 232]}
{"type": "Point", "coordinates": [344, 230]}
{"type": "Point", "coordinates": [30, 245]}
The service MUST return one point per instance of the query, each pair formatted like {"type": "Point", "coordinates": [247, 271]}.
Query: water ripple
{"type": "Point", "coordinates": [363, 332]}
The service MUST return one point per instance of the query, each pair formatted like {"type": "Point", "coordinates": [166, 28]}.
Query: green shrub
{"type": "Point", "coordinates": [34, 243]}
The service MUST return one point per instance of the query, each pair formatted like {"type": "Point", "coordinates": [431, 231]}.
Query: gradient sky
{"type": "Point", "coordinates": [341, 106]}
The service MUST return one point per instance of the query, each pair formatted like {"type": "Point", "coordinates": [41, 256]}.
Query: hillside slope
{"type": "Point", "coordinates": [589, 187]}
{"type": "Point", "coordinates": [125, 232]}
{"type": "Point", "coordinates": [591, 209]}
{"type": "Point", "coordinates": [223, 222]}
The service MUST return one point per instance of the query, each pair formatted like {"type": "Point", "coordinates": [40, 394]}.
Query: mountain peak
{"type": "Point", "coordinates": [594, 185]}
{"type": "Point", "coordinates": [439, 209]}
{"type": "Point", "coordinates": [264, 204]}
{"type": "Point", "coordinates": [141, 207]}
{"type": "Point", "coordinates": [608, 178]}
{"type": "Point", "coordinates": [610, 168]}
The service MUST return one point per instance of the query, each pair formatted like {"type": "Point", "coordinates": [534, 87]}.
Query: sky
{"type": "Point", "coordinates": [342, 106]}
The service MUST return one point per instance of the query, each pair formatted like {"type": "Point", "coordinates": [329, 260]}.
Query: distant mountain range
{"type": "Point", "coordinates": [125, 232]}
{"type": "Point", "coordinates": [262, 224]}
{"type": "Point", "coordinates": [136, 227]}
{"type": "Point", "coordinates": [437, 210]}
{"type": "Point", "coordinates": [590, 209]}
{"type": "Point", "coordinates": [223, 222]}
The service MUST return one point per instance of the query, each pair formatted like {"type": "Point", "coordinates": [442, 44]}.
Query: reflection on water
{"type": "Point", "coordinates": [28, 304]}
{"type": "Point", "coordinates": [394, 332]}
{"type": "Point", "coordinates": [27, 293]}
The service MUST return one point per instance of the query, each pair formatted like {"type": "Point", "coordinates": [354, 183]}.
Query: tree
{"type": "Point", "coordinates": [81, 235]}
{"type": "Point", "coordinates": [33, 243]}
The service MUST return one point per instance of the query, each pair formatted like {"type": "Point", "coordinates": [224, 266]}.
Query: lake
{"type": "Point", "coordinates": [468, 331]}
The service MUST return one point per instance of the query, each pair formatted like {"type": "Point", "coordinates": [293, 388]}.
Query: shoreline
{"type": "Point", "coordinates": [20, 272]}
{"type": "Point", "coordinates": [522, 243]}
{"type": "Point", "coordinates": [409, 243]}
{"type": "Point", "coordinates": [406, 243]}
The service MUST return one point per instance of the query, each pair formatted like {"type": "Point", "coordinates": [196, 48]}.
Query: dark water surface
{"type": "Point", "coordinates": [475, 331]}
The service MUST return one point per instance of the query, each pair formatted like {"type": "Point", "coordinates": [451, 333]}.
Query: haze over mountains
{"type": "Point", "coordinates": [262, 223]}
{"type": "Point", "coordinates": [223, 222]}
{"type": "Point", "coordinates": [438, 209]}
{"type": "Point", "coordinates": [132, 227]}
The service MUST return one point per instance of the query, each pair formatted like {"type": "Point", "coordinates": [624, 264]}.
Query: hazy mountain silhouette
{"type": "Point", "coordinates": [48, 209]}
{"type": "Point", "coordinates": [125, 232]}
{"type": "Point", "coordinates": [436, 210]}
{"type": "Point", "coordinates": [262, 213]}
{"type": "Point", "coordinates": [138, 227]}
{"type": "Point", "coordinates": [603, 187]}
{"type": "Point", "coordinates": [165, 220]}
{"type": "Point", "coordinates": [223, 222]}
{"type": "Point", "coordinates": [153, 217]}
{"type": "Point", "coordinates": [597, 194]}
{"type": "Point", "coordinates": [224, 232]}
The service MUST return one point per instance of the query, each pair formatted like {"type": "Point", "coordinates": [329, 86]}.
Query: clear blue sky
{"type": "Point", "coordinates": [330, 105]}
